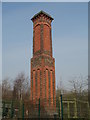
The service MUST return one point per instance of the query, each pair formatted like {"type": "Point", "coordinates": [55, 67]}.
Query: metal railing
{"type": "Point", "coordinates": [64, 109]}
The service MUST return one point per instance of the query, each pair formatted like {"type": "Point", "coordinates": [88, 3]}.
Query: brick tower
{"type": "Point", "coordinates": [42, 63]}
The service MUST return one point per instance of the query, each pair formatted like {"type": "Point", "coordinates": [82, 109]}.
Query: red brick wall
{"type": "Point", "coordinates": [37, 38]}
{"type": "Point", "coordinates": [38, 83]}
{"type": "Point", "coordinates": [51, 77]}
{"type": "Point", "coordinates": [46, 37]}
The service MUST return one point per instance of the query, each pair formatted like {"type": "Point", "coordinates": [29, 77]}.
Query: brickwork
{"type": "Point", "coordinates": [46, 36]}
{"type": "Point", "coordinates": [42, 63]}
{"type": "Point", "coordinates": [37, 38]}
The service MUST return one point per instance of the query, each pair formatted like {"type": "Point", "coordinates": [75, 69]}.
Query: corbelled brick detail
{"type": "Point", "coordinates": [42, 63]}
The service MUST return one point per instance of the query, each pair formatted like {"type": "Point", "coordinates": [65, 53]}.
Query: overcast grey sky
{"type": "Point", "coordinates": [69, 37]}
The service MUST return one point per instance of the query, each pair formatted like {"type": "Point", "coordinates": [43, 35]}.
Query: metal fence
{"type": "Point", "coordinates": [75, 109]}
{"type": "Point", "coordinates": [64, 109]}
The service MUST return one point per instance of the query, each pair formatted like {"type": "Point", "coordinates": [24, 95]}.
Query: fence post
{"type": "Point", "coordinates": [75, 108]}
{"type": "Point", "coordinates": [88, 110]}
{"type": "Point", "coordinates": [61, 108]}
{"type": "Point", "coordinates": [3, 109]}
{"type": "Point", "coordinates": [22, 110]}
{"type": "Point", "coordinates": [68, 110]}
{"type": "Point", "coordinates": [12, 111]}
{"type": "Point", "coordinates": [39, 108]}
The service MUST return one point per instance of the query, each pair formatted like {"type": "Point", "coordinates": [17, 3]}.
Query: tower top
{"type": "Point", "coordinates": [40, 14]}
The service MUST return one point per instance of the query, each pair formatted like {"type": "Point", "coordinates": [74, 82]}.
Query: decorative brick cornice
{"type": "Point", "coordinates": [37, 52]}
{"type": "Point", "coordinates": [42, 51]}
{"type": "Point", "coordinates": [48, 62]}
{"type": "Point", "coordinates": [37, 61]}
{"type": "Point", "coordinates": [41, 22]}
{"type": "Point", "coordinates": [43, 14]}
{"type": "Point", "coordinates": [47, 52]}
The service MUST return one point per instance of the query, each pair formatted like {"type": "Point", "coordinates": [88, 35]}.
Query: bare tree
{"type": "Point", "coordinates": [6, 89]}
{"type": "Point", "coordinates": [60, 87]}
{"type": "Point", "coordinates": [78, 86]}
{"type": "Point", "coordinates": [21, 86]}
{"type": "Point", "coordinates": [0, 91]}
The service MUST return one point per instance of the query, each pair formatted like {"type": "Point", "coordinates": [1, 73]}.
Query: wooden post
{"type": "Point", "coordinates": [12, 110]}
{"type": "Point", "coordinates": [88, 110]}
{"type": "Point", "coordinates": [68, 110]}
{"type": "Point", "coordinates": [22, 111]}
{"type": "Point", "coordinates": [61, 108]}
{"type": "Point", "coordinates": [3, 108]}
{"type": "Point", "coordinates": [75, 108]}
